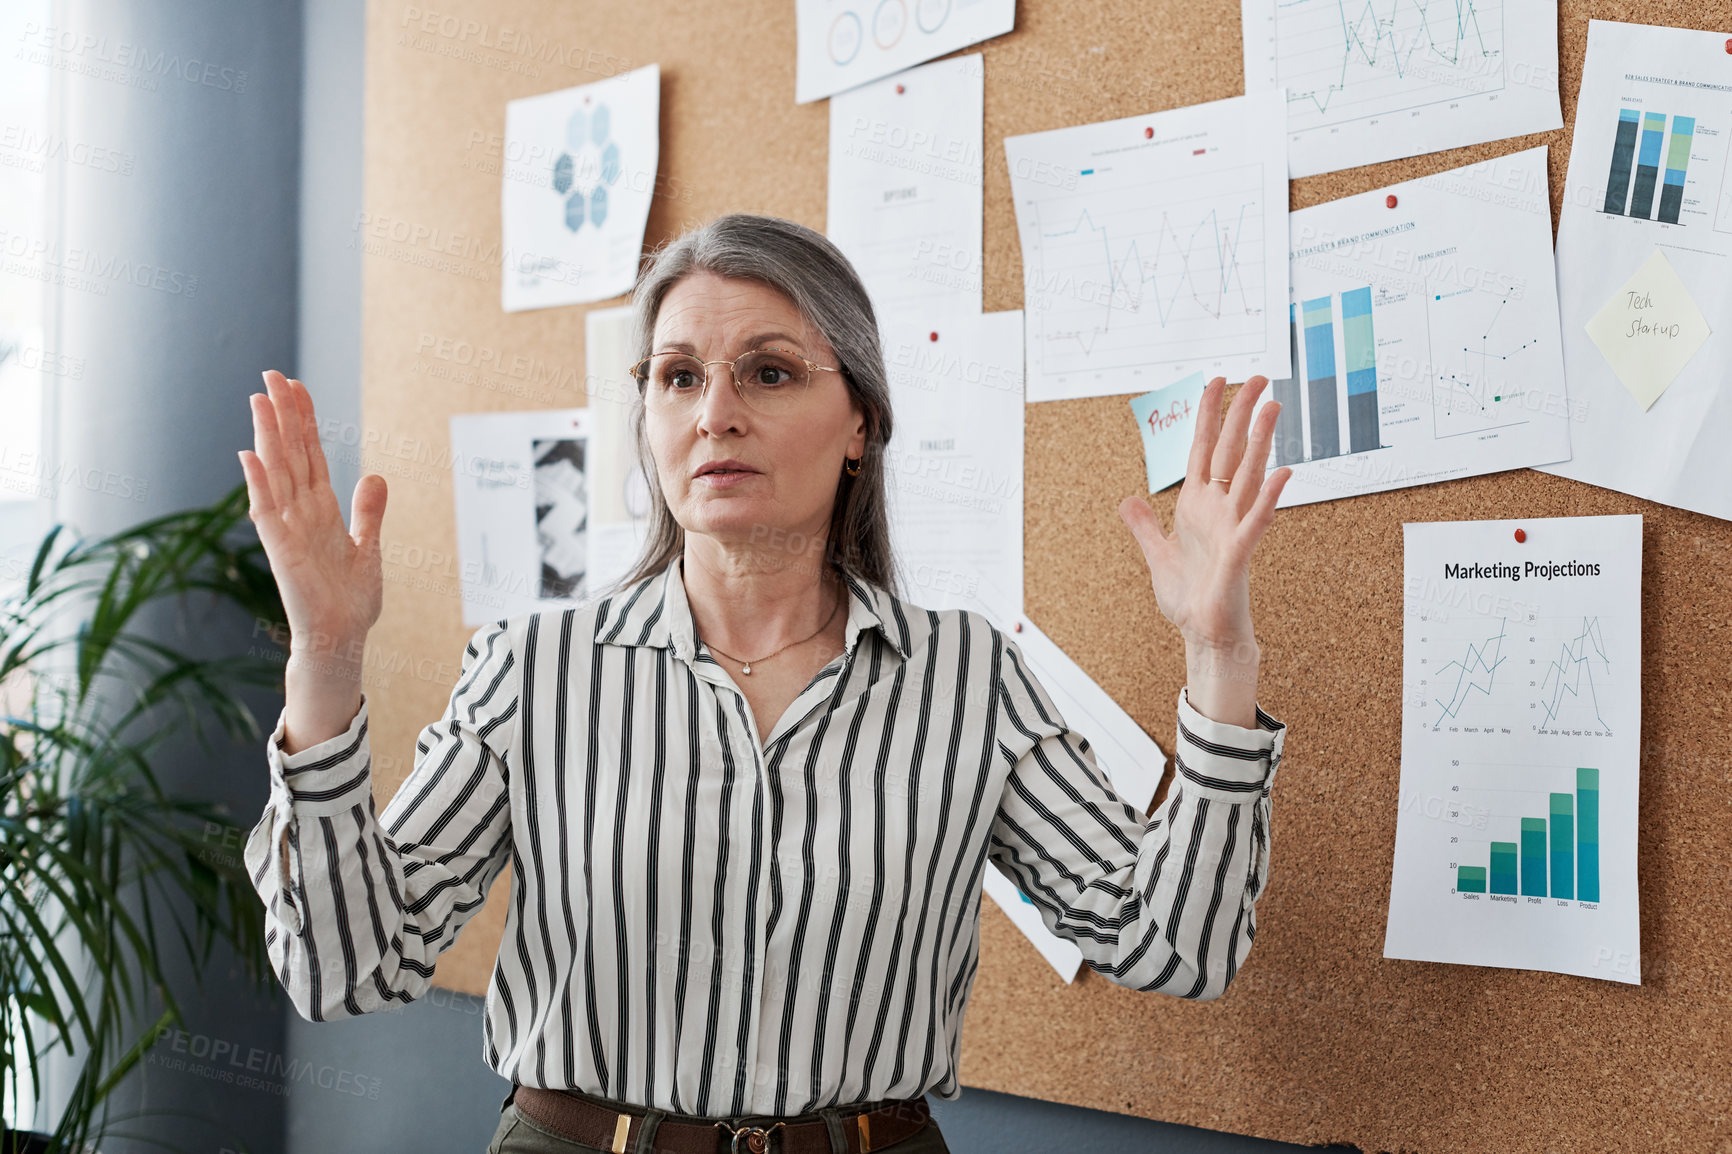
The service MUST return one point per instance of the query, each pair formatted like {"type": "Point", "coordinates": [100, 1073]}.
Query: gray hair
{"type": "Point", "coordinates": [804, 266]}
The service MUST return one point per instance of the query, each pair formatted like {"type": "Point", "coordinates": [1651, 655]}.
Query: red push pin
{"type": "Point", "coordinates": [1148, 134]}
{"type": "Point", "coordinates": [1389, 201]}
{"type": "Point", "coordinates": [1521, 535]}
{"type": "Point", "coordinates": [1018, 627]}
{"type": "Point", "coordinates": [900, 90]}
{"type": "Point", "coordinates": [932, 336]}
{"type": "Point", "coordinates": [1729, 47]}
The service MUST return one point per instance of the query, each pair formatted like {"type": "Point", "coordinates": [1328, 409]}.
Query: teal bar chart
{"type": "Point", "coordinates": [1558, 855]}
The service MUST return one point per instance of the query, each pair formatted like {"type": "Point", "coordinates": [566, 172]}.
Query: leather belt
{"type": "Point", "coordinates": [580, 1120]}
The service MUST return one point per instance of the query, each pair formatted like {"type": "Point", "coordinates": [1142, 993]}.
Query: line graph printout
{"type": "Point", "coordinates": [1372, 80]}
{"type": "Point", "coordinates": [1424, 335]}
{"type": "Point", "coordinates": [1515, 842]}
{"type": "Point", "coordinates": [1650, 169]}
{"type": "Point", "coordinates": [1153, 246]}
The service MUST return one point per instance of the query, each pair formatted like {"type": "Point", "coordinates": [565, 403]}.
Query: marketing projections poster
{"type": "Point", "coordinates": [1515, 842]}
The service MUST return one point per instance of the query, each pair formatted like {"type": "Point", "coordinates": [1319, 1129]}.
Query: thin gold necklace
{"type": "Point", "coordinates": [748, 664]}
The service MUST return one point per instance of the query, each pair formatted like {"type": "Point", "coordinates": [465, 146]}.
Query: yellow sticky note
{"type": "Point", "coordinates": [1649, 329]}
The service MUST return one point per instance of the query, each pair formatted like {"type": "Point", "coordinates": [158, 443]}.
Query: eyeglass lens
{"type": "Point", "coordinates": [767, 378]}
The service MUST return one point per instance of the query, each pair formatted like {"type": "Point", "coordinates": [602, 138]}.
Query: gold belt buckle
{"type": "Point", "coordinates": [756, 1138]}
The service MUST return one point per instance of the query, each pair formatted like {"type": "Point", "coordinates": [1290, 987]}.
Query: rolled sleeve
{"type": "Point", "coordinates": [1225, 761]}
{"type": "Point", "coordinates": [325, 778]}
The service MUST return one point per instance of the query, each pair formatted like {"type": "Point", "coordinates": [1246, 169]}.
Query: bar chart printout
{"type": "Point", "coordinates": [1411, 371]}
{"type": "Point", "coordinates": [1649, 160]}
{"type": "Point", "coordinates": [1504, 854]}
{"type": "Point", "coordinates": [1319, 408]}
{"type": "Point", "coordinates": [1662, 165]}
{"type": "Point", "coordinates": [1569, 860]}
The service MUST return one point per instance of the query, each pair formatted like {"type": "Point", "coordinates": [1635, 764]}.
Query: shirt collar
{"type": "Point", "coordinates": [654, 612]}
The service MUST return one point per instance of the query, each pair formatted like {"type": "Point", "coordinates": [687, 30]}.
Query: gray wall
{"type": "Point", "coordinates": [176, 284]}
{"type": "Point", "coordinates": [206, 221]}
{"type": "Point", "coordinates": [328, 346]}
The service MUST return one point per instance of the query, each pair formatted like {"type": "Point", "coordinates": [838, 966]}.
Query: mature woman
{"type": "Point", "coordinates": [748, 796]}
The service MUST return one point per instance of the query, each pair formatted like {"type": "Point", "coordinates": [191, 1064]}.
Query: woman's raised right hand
{"type": "Point", "coordinates": [329, 578]}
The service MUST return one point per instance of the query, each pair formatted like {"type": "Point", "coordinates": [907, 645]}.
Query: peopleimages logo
{"type": "Point", "coordinates": [83, 52]}
{"type": "Point", "coordinates": [223, 1060]}
{"type": "Point", "coordinates": [87, 269]}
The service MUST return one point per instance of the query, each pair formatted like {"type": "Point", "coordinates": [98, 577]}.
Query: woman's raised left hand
{"type": "Point", "coordinates": [1201, 571]}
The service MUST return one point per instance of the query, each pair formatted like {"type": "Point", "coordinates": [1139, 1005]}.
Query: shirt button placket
{"type": "Point", "coordinates": [761, 863]}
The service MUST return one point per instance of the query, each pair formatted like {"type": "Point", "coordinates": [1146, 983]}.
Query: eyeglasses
{"type": "Point", "coordinates": [770, 381]}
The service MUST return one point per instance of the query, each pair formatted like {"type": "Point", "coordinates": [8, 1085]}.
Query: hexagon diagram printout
{"type": "Point", "coordinates": [577, 172]}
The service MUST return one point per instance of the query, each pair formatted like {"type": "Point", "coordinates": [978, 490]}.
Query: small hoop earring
{"type": "Point", "coordinates": [851, 466]}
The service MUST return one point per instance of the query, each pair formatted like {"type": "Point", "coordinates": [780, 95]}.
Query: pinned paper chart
{"type": "Point", "coordinates": [1373, 80]}
{"type": "Point", "coordinates": [1515, 843]}
{"type": "Point", "coordinates": [619, 503]}
{"type": "Point", "coordinates": [1424, 335]}
{"type": "Point", "coordinates": [953, 467]}
{"type": "Point", "coordinates": [579, 172]}
{"type": "Point", "coordinates": [844, 43]}
{"type": "Point", "coordinates": [521, 485]}
{"type": "Point", "coordinates": [1646, 338]}
{"type": "Point", "coordinates": [1153, 247]}
{"type": "Point", "coordinates": [905, 185]}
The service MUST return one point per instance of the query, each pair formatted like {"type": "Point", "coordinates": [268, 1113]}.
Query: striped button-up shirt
{"type": "Point", "coordinates": [714, 924]}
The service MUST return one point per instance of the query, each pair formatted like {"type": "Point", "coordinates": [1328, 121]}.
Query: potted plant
{"type": "Point", "coordinates": [101, 869]}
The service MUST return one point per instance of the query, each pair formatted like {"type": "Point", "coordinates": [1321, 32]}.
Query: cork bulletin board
{"type": "Point", "coordinates": [1319, 1038]}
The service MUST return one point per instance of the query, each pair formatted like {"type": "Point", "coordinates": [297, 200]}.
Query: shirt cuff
{"type": "Point", "coordinates": [1228, 762]}
{"type": "Point", "coordinates": [323, 779]}
{"type": "Point", "coordinates": [265, 849]}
